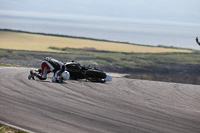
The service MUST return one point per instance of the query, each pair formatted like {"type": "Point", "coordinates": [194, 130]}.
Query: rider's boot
{"type": "Point", "coordinates": [31, 75]}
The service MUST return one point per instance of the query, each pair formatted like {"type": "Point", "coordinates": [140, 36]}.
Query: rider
{"type": "Point", "coordinates": [197, 40]}
{"type": "Point", "coordinates": [51, 65]}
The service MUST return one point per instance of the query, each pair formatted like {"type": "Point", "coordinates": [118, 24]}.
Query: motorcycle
{"type": "Point", "coordinates": [78, 71]}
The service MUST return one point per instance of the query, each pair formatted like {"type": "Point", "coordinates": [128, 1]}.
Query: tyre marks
{"type": "Point", "coordinates": [123, 105]}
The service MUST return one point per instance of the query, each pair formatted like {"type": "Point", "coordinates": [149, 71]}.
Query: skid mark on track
{"type": "Point", "coordinates": [123, 105]}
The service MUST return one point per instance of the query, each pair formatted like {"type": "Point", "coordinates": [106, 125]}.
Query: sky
{"type": "Point", "coordinates": [170, 10]}
{"type": "Point", "coordinates": [100, 15]}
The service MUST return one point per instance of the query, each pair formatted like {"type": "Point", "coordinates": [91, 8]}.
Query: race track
{"type": "Point", "coordinates": [121, 106]}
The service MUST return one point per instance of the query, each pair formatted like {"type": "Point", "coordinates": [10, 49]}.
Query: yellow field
{"type": "Point", "coordinates": [25, 41]}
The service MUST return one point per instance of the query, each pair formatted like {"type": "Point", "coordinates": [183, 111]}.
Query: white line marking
{"type": "Point", "coordinates": [16, 127]}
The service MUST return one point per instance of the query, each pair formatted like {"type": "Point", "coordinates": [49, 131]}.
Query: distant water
{"type": "Point", "coordinates": [154, 33]}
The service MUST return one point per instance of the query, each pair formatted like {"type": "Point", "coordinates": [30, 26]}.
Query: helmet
{"type": "Point", "coordinates": [65, 75]}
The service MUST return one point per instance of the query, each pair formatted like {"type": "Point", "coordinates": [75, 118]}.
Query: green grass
{"type": "Point", "coordinates": [13, 65]}
{"type": "Point", "coordinates": [7, 129]}
{"type": "Point", "coordinates": [131, 60]}
{"type": "Point", "coordinates": [152, 66]}
{"type": "Point", "coordinates": [9, 65]}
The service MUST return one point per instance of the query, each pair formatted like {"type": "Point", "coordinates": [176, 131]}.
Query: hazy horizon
{"type": "Point", "coordinates": [153, 22]}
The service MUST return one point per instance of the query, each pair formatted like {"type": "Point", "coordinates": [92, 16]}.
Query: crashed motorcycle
{"type": "Point", "coordinates": [78, 71]}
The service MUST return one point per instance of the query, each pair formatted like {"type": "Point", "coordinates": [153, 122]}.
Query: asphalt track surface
{"type": "Point", "coordinates": [121, 106]}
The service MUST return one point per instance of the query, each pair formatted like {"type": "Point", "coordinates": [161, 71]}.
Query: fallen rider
{"type": "Point", "coordinates": [50, 65]}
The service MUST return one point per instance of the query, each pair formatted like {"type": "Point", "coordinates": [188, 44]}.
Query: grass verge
{"type": "Point", "coordinates": [7, 129]}
{"type": "Point", "coordinates": [9, 65]}
{"type": "Point", "coordinates": [169, 67]}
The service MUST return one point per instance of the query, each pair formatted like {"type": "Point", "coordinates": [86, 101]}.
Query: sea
{"type": "Point", "coordinates": [144, 32]}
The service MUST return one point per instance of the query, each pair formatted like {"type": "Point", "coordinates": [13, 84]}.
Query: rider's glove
{"type": "Point", "coordinates": [60, 80]}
